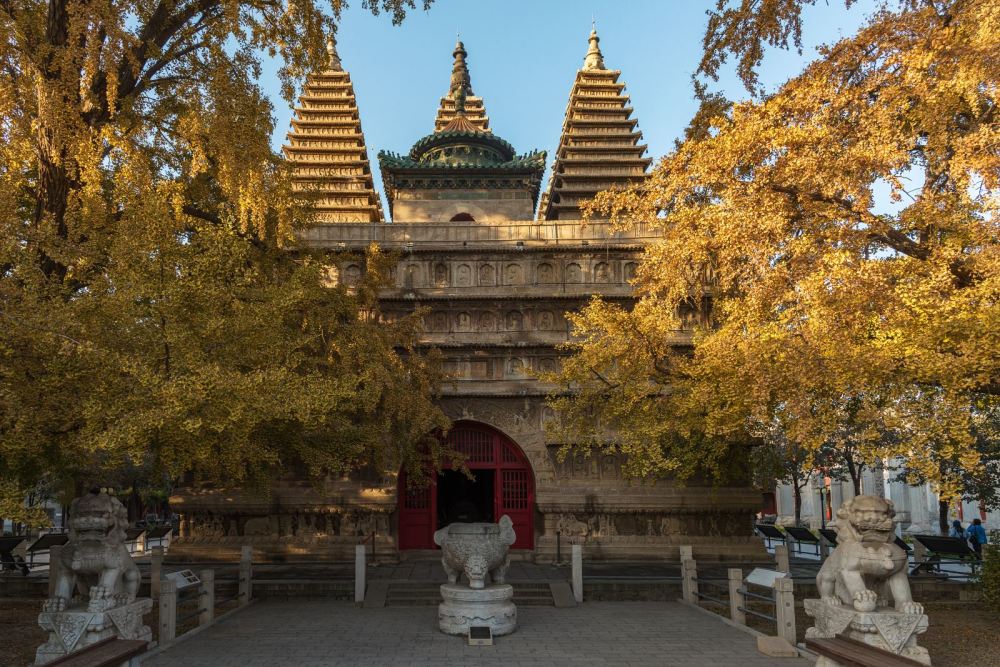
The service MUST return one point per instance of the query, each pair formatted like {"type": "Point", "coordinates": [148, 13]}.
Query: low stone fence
{"type": "Point", "coordinates": [183, 596]}
{"type": "Point", "coordinates": [765, 589]}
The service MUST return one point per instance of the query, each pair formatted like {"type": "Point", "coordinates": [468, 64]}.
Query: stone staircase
{"type": "Point", "coordinates": [411, 594]}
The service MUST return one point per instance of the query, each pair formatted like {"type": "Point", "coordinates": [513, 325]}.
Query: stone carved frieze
{"type": "Point", "coordinates": [578, 465]}
{"type": "Point", "coordinates": [492, 273]}
{"type": "Point", "coordinates": [625, 526]}
{"type": "Point", "coordinates": [508, 416]}
{"type": "Point", "coordinates": [285, 526]}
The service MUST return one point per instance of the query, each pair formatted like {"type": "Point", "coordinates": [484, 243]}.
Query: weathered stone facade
{"type": "Point", "coordinates": [497, 285]}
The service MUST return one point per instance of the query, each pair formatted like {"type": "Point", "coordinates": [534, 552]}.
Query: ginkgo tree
{"type": "Point", "coordinates": [839, 237]}
{"type": "Point", "coordinates": [148, 313]}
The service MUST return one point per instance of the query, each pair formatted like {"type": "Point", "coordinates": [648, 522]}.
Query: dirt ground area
{"type": "Point", "coordinates": [959, 634]}
{"type": "Point", "coordinates": [20, 634]}
{"type": "Point", "coordinates": [19, 631]}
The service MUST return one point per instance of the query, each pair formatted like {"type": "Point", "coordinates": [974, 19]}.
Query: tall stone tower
{"type": "Point", "coordinates": [327, 149]}
{"type": "Point", "coordinates": [599, 146]}
{"type": "Point", "coordinates": [497, 280]}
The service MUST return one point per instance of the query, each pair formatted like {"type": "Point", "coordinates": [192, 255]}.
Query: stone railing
{"type": "Point", "coordinates": [184, 597]}
{"type": "Point", "coordinates": [755, 595]}
{"type": "Point", "coordinates": [407, 235]}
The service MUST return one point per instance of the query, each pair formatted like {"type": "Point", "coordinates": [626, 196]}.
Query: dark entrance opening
{"type": "Point", "coordinates": [464, 500]}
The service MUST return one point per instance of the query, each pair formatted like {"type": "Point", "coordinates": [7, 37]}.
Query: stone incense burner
{"type": "Point", "coordinates": [477, 549]}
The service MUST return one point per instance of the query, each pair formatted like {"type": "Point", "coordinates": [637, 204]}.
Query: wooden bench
{"type": "Point", "coordinates": [110, 652]}
{"type": "Point", "coordinates": [852, 653]}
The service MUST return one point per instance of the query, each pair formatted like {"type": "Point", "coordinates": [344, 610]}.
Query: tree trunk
{"type": "Point", "coordinates": [943, 516]}
{"type": "Point", "coordinates": [797, 495]}
{"type": "Point", "coordinates": [854, 470]}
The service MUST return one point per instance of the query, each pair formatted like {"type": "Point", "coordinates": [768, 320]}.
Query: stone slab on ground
{"type": "Point", "coordinates": [562, 594]}
{"type": "Point", "coordinates": [376, 593]}
{"type": "Point", "coordinates": [776, 647]}
{"type": "Point", "coordinates": [310, 633]}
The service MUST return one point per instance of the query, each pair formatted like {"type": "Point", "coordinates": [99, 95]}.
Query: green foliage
{"type": "Point", "coordinates": [19, 504]}
{"type": "Point", "coordinates": [989, 576]}
{"type": "Point", "coordinates": [151, 319]}
{"type": "Point", "coordinates": [780, 296]}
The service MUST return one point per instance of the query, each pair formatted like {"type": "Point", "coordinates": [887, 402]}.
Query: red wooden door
{"type": "Point", "coordinates": [513, 487]}
{"type": "Point", "coordinates": [416, 515]}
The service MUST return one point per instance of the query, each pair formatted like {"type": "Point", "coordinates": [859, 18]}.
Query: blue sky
{"type": "Point", "coordinates": [523, 57]}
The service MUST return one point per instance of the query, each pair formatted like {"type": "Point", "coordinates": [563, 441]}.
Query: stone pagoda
{"type": "Point", "coordinates": [599, 147]}
{"type": "Point", "coordinates": [496, 281]}
{"type": "Point", "coordinates": [327, 149]}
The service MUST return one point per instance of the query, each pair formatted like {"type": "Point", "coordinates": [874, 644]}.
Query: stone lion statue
{"type": "Point", "coordinates": [867, 566]}
{"type": "Point", "coordinates": [95, 561]}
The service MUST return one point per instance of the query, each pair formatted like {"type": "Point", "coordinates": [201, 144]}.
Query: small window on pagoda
{"type": "Point", "coordinates": [462, 217]}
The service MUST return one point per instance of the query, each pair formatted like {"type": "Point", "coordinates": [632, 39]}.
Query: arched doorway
{"type": "Point", "coordinates": [503, 484]}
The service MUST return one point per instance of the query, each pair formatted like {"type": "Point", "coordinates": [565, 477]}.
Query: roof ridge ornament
{"type": "Point", "coordinates": [331, 51]}
{"type": "Point", "coordinates": [594, 58]}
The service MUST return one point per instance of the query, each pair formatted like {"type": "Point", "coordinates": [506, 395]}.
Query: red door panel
{"type": "Point", "coordinates": [416, 514]}
{"type": "Point", "coordinates": [516, 502]}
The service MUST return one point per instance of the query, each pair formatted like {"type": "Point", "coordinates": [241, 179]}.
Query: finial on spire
{"type": "Point", "coordinates": [461, 83]}
{"type": "Point", "coordinates": [331, 51]}
{"type": "Point", "coordinates": [594, 58]}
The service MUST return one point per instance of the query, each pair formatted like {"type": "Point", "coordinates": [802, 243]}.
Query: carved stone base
{"type": "Point", "coordinates": [887, 629]}
{"type": "Point", "coordinates": [74, 629]}
{"type": "Point", "coordinates": [462, 607]}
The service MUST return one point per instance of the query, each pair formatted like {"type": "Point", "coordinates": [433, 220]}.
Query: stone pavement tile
{"type": "Point", "coordinates": [320, 633]}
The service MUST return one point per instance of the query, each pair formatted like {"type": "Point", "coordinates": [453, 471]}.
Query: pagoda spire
{"type": "Point", "coordinates": [326, 148]}
{"type": "Point", "coordinates": [599, 146]}
{"type": "Point", "coordinates": [461, 82]}
{"type": "Point", "coordinates": [594, 58]}
{"type": "Point", "coordinates": [461, 102]}
{"type": "Point", "coordinates": [333, 61]}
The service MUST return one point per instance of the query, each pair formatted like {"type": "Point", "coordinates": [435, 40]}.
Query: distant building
{"type": "Point", "coordinates": [497, 263]}
{"type": "Point", "coordinates": [916, 505]}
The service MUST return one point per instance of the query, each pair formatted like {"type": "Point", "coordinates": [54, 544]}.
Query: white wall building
{"type": "Point", "coordinates": [916, 506]}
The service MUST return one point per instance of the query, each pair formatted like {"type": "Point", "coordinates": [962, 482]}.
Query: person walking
{"type": "Point", "coordinates": [957, 530]}
{"type": "Point", "coordinates": [977, 537]}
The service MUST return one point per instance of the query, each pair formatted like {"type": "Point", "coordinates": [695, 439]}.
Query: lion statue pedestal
{"type": "Point", "coordinates": [479, 550]}
{"type": "Point", "coordinates": [95, 589]}
{"type": "Point", "coordinates": [858, 580]}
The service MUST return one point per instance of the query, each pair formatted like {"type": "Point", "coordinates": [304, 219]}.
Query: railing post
{"type": "Point", "coordinates": [737, 601]}
{"type": "Point", "coordinates": [919, 552]}
{"type": "Point", "coordinates": [781, 556]}
{"type": "Point", "coordinates": [359, 573]}
{"type": "Point", "coordinates": [687, 552]}
{"type": "Point", "coordinates": [55, 565]}
{"type": "Point", "coordinates": [206, 597]}
{"type": "Point", "coordinates": [784, 608]}
{"type": "Point", "coordinates": [577, 572]}
{"type": "Point", "coordinates": [155, 572]}
{"type": "Point", "coordinates": [246, 573]}
{"type": "Point", "coordinates": [168, 612]}
{"type": "Point", "coordinates": [689, 580]}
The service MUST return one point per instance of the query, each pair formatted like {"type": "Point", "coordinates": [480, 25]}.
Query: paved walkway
{"type": "Point", "coordinates": [313, 633]}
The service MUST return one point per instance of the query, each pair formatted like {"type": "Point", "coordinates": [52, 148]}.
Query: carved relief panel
{"type": "Point", "coordinates": [463, 275]}
{"type": "Point", "coordinates": [513, 321]}
{"type": "Point", "coordinates": [574, 274]}
{"type": "Point", "coordinates": [545, 273]}
{"type": "Point", "coordinates": [441, 275]}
